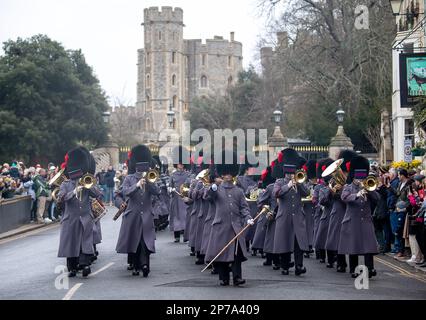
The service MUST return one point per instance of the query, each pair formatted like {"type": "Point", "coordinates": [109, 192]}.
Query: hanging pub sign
{"type": "Point", "coordinates": [412, 68]}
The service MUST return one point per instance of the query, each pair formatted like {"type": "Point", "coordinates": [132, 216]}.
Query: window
{"type": "Point", "coordinates": [203, 59]}
{"type": "Point", "coordinates": [148, 104]}
{"type": "Point", "coordinates": [175, 102]}
{"type": "Point", "coordinates": [185, 106]}
{"type": "Point", "coordinates": [148, 124]}
{"type": "Point", "coordinates": [148, 81]}
{"type": "Point", "coordinates": [203, 82]}
{"type": "Point", "coordinates": [409, 130]}
{"type": "Point", "coordinates": [173, 80]}
{"type": "Point", "coordinates": [229, 61]}
{"type": "Point", "coordinates": [230, 81]}
{"type": "Point", "coordinates": [159, 35]}
{"type": "Point", "coordinates": [147, 59]}
{"type": "Point", "coordinates": [173, 57]}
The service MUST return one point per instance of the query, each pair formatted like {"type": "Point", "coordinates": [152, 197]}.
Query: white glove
{"type": "Point", "coordinates": [214, 187]}
{"type": "Point", "coordinates": [360, 193]}
{"type": "Point", "coordinates": [250, 222]}
{"type": "Point", "coordinates": [78, 189]}
{"type": "Point", "coordinates": [172, 190]}
{"type": "Point", "coordinates": [140, 183]}
{"type": "Point", "coordinates": [290, 184]}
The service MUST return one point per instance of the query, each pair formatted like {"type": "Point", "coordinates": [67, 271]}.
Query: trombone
{"type": "Point", "coordinates": [150, 176]}
{"type": "Point", "coordinates": [56, 181]}
{"type": "Point", "coordinates": [298, 178]}
{"type": "Point", "coordinates": [87, 182]}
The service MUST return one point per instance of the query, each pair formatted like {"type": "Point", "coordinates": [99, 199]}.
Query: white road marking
{"type": "Point", "coordinates": [389, 274]}
{"type": "Point", "coordinates": [29, 233]}
{"type": "Point", "coordinates": [101, 269]}
{"type": "Point", "coordinates": [71, 291]}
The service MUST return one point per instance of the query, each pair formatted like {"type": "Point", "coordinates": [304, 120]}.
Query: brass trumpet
{"type": "Point", "coordinates": [370, 183]}
{"type": "Point", "coordinates": [299, 177]}
{"type": "Point", "coordinates": [150, 176]}
{"type": "Point", "coordinates": [254, 195]}
{"type": "Point", "coordinates": [87, 182]}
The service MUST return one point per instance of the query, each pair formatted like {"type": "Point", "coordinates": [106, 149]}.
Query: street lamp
{"type": "Point", "coordinates": [170, 116]}
{"type": "Point", "coordinates": [340, 114]}
{"type": "Point", "coordinates": [106, 116]}
{"type": "Point", "coordinates": [396, 6]}
{"type": "Point", "coordinates": [277, 116]}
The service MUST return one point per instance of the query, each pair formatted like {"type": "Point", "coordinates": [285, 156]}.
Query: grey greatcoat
{"type": "Point", "coordinates": [138, 220]}
{"type": "Point", "coordinates": [77, 221]}
{"type": "Point", "coordinates": [260, 233]}
{"type": "Point", "coordinates": [325, 200]}
{"type": "Point", "coordinates": [178, 208]}
{"type": "Point", "coordinates": [317, 209]}
{"type": "Point", "coordinates": [97, 232]}
{"type": "Point", "coordinates": [246, 183]}
{"type": "Point", "coordinates": [357, 232]}
{"type": "Point", "coordinates": [336, 217]}
{"type": "Point", "coordinates": [267, 198]}
{"type": "Point", "coordinates": [196, 196]}
{"type": "Point", "coordinates": [309, 209]}
{"type": "Point", "coordinates": [232, 214]}
{"type": "Point", "coordinates": [290, 220]}
{"type": "Point", "coordinates": [211, 211]}
{"type": "Point", "coordinates": [201, 217]}
{"type": "Point", "coordinates": [189, 209]}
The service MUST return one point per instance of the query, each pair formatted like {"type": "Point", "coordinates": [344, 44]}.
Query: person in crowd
{"type": "Point", "coordinates": [413, 224]}
{"type": "Point", "coordinates": [42, 195]}
{"type": "Point", "coordinates": [381, 217]}
{"type": "Point", "coordinates": [109, 182]}
{"type": "Point", "coordinates": [100, 176]}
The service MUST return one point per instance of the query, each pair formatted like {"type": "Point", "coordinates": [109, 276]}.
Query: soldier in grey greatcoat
{"type": "Point", "coordinates": [290, 228]}
{"type": "Point", "coordinates": [267, 198]}
{"type": "Point", "coordinates": [232, 214]}
{"type": "Point", "coordinates": [97, 230]}
{"type": "Point", "coordinates": [357, 236]}
{"type": "Point", "coordinates": [76, 234]}
{"type": "Point", "coordinates": [137, 232]}
{"type": "Point", "coordinates": [336, 216]}
{"type": "Point", "coordinates": [246, 180]}
{"type": "Point", "coordinates": [324, 200]}
{"type": "Point", "coordinates": [308, 205]}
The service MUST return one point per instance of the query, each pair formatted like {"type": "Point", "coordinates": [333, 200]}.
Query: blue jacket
{"type": "Point", "coordinates": [392, 197]}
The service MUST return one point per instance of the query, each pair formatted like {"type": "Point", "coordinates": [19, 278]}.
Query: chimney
{"type": "Point", "coordinates": [232, 36]}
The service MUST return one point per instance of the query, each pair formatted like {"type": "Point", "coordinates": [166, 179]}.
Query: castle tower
{"type": "Point", "coordinates": [161, 70]}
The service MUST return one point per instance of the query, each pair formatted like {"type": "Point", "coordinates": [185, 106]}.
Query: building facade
{"type": "Point", "coordinates": [173, 71]}
{"type": "Point", "coordinates": [410, 38]}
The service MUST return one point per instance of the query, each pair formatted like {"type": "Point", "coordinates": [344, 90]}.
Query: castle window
{"type": "Point", "coordinates": [203, 82]}
{"type": "Point", "coordinates": [175, 102]}
{"type": "Point", "coordinates": [147, 59]}
{"type": "Point", "coordinates": [173, 57]}
{"type": "Point", "coordinates": [148, 81]}
{"type": "Point", "coordinates": [173, 80]}
{"type": "Point", "coordinates": [229, 61]}
{"type": "Point", "coordinates": [203, 59]}
{"type": "Point", "coordinates": [148, 124]}
{"type": "Point", "coordinates": [185, 106]}
{"type": "Point", "coordinates": [159, 35]}
{"type": "Point", "coordinates": [148, 104]}
{"type": "Point", "coordinates": [230, 81]}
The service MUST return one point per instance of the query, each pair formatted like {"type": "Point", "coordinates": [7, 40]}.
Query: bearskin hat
{"type": "Point", "coordinates": [311, 169]}
{"type": "Point", "coordinates": [266, 177]}
{"type": "Point", "coordinates": [139, 153]}
{"type": "Point", "coordinates": [359, 168]}
{"type": "Point", "coordinates": [347, 156]}
{"type": "Point", "coordinates": [78, 163]}
{"type": "Point", "coordinates": [277, 168]}
{"type": "Point", "coordinates": [226, 166]}
{"type": "Point", "coordinates": [322, 164]}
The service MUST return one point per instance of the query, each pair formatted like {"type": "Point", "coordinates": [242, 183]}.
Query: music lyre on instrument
{"type": "Point", "coordinates": [265, 210]}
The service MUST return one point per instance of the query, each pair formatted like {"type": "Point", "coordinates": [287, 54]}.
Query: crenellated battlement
{"type": "Point", "coordinates": [163, 14]}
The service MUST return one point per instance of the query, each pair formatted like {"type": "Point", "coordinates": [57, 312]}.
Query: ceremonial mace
{"type": "Point", "coordinates": [265, 209]}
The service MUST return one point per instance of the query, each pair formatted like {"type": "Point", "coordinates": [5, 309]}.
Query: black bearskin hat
{"type": "Point", "coordinates": [347, 156]}
{"type": "Point", "coordinates": [225, 167]}
{"type": "Point", "coordinates": [277, 169]}
{"type": "Point", "coordinates": [139, 153]}
{"type": "Point", "coordinates": [359, 168]}
{"type": "Point", "coordinates": [311, 169]}
{"type": "Point", "coordinates": [291, 161]}
{"type": "Point", "coordinates": [157, 162]}
{"type": "Point", "coordinates": [266, 177]}
{"type": "Point", "coordinates": [78, 163]}
{"type": "Point", "coordinates": [322, 164]}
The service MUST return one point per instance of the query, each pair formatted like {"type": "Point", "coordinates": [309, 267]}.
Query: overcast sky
{"type": "Point", "coordinates": [109, 32]}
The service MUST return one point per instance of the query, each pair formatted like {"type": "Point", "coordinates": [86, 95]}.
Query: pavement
{"type": "Point", "coordinates": [29, 261]}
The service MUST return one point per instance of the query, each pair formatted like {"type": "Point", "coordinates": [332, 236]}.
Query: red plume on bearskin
{"type": "Point", "coordinates": [280, 157]}
{"type": "Point", "coordinates": [272, 164]}
{"type": "Point", "coordinates": [323, 168]}
{"type": "Point", "coordinates": [200, 160]}
{"type": "Point", "coordinates": [317, 165]}
{"type": "Point", "coordinates": [264, 174]}
{"type": "Point", "coordinates": [348, 166]}
{"type": "Point", "coordinates": [305, 168]}
{"type": "Point", "coordinates": [63, 165]}
{"type": "Point", "coordinates": [129, 154]}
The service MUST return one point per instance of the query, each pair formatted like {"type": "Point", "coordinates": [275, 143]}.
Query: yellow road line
{"type": "Point", "coordinates": [401, 270]}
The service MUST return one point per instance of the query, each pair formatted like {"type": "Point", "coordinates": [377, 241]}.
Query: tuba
{"type": "Point", "coordinates": [57, 181]}
{"type": "Point", "coordinates": [370, 183]}
{"type": "Point", "coordinates": [204, 177]}
{"type": "Point", "coordinates": [254, 194]}
{"type": "Point", "coordinates": [337, 173]}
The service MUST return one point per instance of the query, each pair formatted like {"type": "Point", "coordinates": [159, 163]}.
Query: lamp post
{"type": "Point", "coordinates": [106, 116]}
{"type": "Point", "coordinates": [277, 141]}
{"type": "Point", "coordinates": [340, 115]}
{"type": "Point", "coordinates": [396, 6]}
{"type": "Point", "coordinates": [340, 141]}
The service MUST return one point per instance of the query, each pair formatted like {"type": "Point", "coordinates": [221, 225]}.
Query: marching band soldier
{"type": "Point", "coordinates": [326, 203]}
{"type": "Point", "coordinates": [137, 233]}
{"type": "Point", "coordinates": [266, 198]}
{"type": "Point", "coordinates": [357, 236]}
{"type": "Point", "coordinates": [308, 206]}
{"type": "Point", "coordinates": [246, 181]}
{"type": "Point", "coordinates": [178, 205]}
{"type": "Point", "coordinates": [336, 216]}
{"type": "Point", "coordinates": [232, 214]}
{"type": "Point", "coordinates": [76, 235]}
{"type": "Point", "coordinates": [97, 230]}
{"type": "Point", "coordinates": [162, 201]}
{"type": "Point", "coordinates": [290, 229]}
